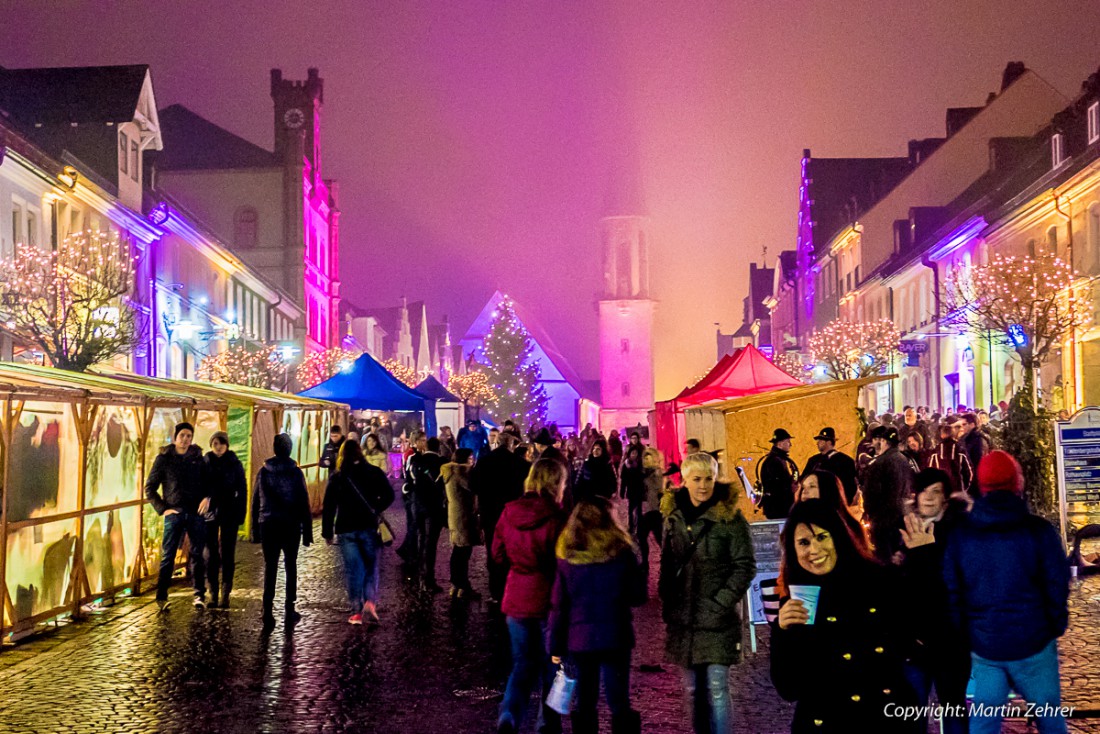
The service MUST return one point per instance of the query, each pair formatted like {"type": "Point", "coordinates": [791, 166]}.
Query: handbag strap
{"type": "Point", "coordinates": [355, 488]}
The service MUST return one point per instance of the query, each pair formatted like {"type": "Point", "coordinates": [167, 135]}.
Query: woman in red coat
{"type": "Point", "coordinates": [525, 538]}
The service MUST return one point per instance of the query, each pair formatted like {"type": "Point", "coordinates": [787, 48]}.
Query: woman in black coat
{"type": "Point", "coordinates": [229, 502]}
{"type": "Point", "coordinates": [845, 667]}
{"type": "Point", "coordinates": [597, 475]}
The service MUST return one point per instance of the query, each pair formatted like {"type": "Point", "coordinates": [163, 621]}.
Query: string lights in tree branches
{"type": "Point", "coordinates": [853, 350]}
{"type": "Point", "coordinates": [319, 366]}
{"type": "Point", "coordinates": [263, 368]}
{"type": "Point", "coordinates": [513, 377]}
{"type": "Point", "coordinates": [405, 374]}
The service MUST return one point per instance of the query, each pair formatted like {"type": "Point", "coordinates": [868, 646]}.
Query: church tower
{"type": "Point", "coordinates": [626, 310]}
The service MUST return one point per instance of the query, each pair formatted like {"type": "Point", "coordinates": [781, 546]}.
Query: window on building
{"type": "Point", "coordinates": [17, 224]}
{"type": "Point", "coordinates": [1052, 241]}
{"type": "Point", "coordinates": [32, 227]}
{"type": "Point", "coordinates": [123, 153]}
{"type": "Point", "coordinates": [1031, 247]}
{"type": "Point", "coordinates": [1094, 236]}
{"type": "Point", "coordinates": [245, 227]}
{"type": "Point", "coordinates": [1057, 149]}
{"type": "Point", "coordinates": [624, 346]}
{"type": "Point", "coordinates": [626, 389]}
{"type": "Point", "coordinates": [135, 162]}
{"type": "Point", "coordinates": [1094, 122]}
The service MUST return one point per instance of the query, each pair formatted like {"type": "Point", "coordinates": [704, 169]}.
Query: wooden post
{"type": "Point", "coordinates": [84, 414]}
{"type": "Point", "coordinates": [144, 421]}
{"type": "Point", "coordinates": [9, 416]}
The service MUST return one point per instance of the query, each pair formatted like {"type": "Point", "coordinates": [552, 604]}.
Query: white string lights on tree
{"type": "Point", "coordinates": [512, 375]}
{"type": "Point", "coordinates": [852, 350]}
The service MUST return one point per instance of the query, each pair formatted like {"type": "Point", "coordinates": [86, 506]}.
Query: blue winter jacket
{"type": "Point", "coordinates": [1007, 579]}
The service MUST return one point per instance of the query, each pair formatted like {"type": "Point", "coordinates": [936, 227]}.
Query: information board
{"type": "Point", "coordinates": [768, 552]}
{"type": "Point", "coordinates": [1077, 442]}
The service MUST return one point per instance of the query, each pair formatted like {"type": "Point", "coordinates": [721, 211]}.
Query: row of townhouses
{"type": "Point", "coordinates": [877, 237]}
{"type": "Point", "coordinates": [233, 244]}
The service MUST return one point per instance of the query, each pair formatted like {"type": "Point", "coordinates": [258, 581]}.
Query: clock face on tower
{"type": "Point", "coordinates": [294, 118]}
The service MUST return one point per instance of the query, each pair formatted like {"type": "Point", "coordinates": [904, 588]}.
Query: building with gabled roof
{"type": "Point", "coordinates": [570, 404]}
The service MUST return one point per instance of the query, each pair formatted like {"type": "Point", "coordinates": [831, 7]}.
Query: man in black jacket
{"type": "Point", "coordinates": [429, 500]}
{"type": "Point", "coordinates": [332, 448]}
{"type": "Point", "coordinates": [778, 473]}
{"type": "Point", "coordinates": [229, 490]}
{"type": "Point", "coordinates": [886, 491]}
{"type": "Point", "coordinates": [281, 519]}
{"type": "Point", "coordinates": [179, 470]}
{"type": "Point", "coordinates": [829, 459]}
{"type": "Point", "coordinates": [496, 480]}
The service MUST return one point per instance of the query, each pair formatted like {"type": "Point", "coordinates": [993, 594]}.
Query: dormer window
{"type": "Point", "coordinates": [1094, 122]}
{"type": "Point", "coordinates": [1057, 149]}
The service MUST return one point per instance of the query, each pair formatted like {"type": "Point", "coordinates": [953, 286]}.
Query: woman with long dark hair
{"type": "Point", "coordinates": [598, 477]}
{"type": "Point", "coordinates": [356, 495]}
{"type": "Point", "coordinates": [824, 485]}
{"type": "Point", "coordinates": [843, 633]}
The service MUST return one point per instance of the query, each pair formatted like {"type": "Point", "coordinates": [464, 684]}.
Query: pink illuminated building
{"type": "Point", "coordinates": [626, 315]}
{"type": "Point", "coordinates": [274, 208]}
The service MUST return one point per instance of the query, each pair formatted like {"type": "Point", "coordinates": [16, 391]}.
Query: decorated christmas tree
{"type": "Point", "coordinates": [513, 376]}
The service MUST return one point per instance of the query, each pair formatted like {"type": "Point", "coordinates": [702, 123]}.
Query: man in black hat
{"type": "Point", "coordinates": [829, 459]}
{"type": "Point", "coordinates": [778, 474]}
{"type": "Point", "coordinates": [544, 444]}
{"type": "Point", "coordinates": [888, 487]}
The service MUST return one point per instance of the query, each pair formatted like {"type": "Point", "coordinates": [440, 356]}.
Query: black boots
{"type": "Point", "coordinates": [292, 617]}
{"type": "Point", "coordinates": [627, 723]}
{"type": "Point", "coordinates": [226, 588]}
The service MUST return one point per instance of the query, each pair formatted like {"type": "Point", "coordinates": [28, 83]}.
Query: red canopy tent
{"type": "Point", "coordinates": [745, 372]}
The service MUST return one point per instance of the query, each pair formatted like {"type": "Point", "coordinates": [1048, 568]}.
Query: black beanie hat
{"type": "Point", "coordinates": [283, 445]}
{"type": "Point", "coordinates": [185, 426]}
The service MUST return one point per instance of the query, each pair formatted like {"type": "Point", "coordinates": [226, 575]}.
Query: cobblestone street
{"type": "Point", "coordinates": [436, 664]}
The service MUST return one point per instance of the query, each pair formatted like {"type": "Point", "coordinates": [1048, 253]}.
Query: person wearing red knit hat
{"type": "Point", "coordinates": [1008, 588]}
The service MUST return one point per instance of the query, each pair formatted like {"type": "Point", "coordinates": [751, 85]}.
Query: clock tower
{"type": "Point", "coordinates": [298, 117]}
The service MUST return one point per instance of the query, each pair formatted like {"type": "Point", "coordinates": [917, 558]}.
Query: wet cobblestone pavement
{"type": "Point", "coordinates": [435, 665]}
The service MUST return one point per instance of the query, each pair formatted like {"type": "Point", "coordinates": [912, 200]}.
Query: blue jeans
{"type": "Point", "coordinates": [710, 704]}
{"type": "Point", "coordinates": [360, 550]}
{"type": "Point", "coordinates": [1034, 678]}
{"type": "Point", "coordinates": [614, 665]}
{"type": "Point", "coordinates": [174, 527]}
{"type": "Point", "coordinates": [530, 665]}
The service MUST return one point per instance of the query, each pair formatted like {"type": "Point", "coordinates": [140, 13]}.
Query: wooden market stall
{"type": "Point", "coordinates": [740, 428]}
{"type": "Point", "coordinates": [75, 448]}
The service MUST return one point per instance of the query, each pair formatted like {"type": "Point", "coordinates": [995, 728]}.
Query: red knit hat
{"type": "Point", "coordinates": [999, 470]}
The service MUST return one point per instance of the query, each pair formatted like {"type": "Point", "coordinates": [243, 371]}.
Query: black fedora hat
{"type": "Point", "coordinates": [826, 434]}
{"type": "Point", "coordinates": [544, 438]}
{"type": "Point", "coordinates": [780, 435]}
{"type": "Point", "coordinates": [888, 432]}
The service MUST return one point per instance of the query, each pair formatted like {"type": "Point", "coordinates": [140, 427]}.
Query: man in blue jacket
{"type": "Point", "coordinates": [1008, 585]}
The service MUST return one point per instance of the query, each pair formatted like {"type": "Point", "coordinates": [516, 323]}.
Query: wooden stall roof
{"type": "Point", "coordinates": [234, 394]}
{"type": "Point", "coordinates": [56, 384]}
{"type": "Point", "coordinates": [787, 394]}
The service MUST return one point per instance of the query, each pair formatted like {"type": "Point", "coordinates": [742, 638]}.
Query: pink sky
{"type": "Point", "coordinates": [473, 140]}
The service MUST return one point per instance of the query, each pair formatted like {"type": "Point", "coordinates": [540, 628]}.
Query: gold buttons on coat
{"type": "Point", "coordinates": [872, 610]}
{"type": "Point", "coordinates": [847, 656]}
{"type": "Point", "coordinates": [879, 649]}
{"type": "Point", "coordinates": [818, 722]}
{"type": "Point", "coordinates": [830, 619]}
{"type": "Point", "coordinates": [856, 698]}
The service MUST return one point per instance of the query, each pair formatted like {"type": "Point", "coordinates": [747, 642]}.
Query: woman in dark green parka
{"type": "Point", "coordinates": [707, 566]}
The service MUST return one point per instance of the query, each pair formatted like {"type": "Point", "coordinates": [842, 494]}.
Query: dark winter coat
{"type": "Point", "coordinates": [461, 506]}
{"type": "Point", "coordinates": [597, 479]}
{"type": "Point", "coordinates": [228, 488]}
{"type": "Point", "coordinates": [329, 455]}
{"type": "Point", "coordinates": [843, 670]}
{"type": "Point", "coordinates": [497, 480]}
{"type": "Point", "coordinates": [951, 458]}
{"type": "Point", "coordinates": [919, 427]}
{"type": "Point", "coordinates": [840, 464]}
{"type": "Point", "coordinates": [976, 445]}
{"type": "Point", "coordinates": [1007, 579]}
{"type": "Point", "coordinates": [706, 568]}
{"type": "Point", "coordinates": [476, 440]}
{"type": "Point", "coordinates": [526, 536]}
{"type": "Point", "coordinates": [654, 489]}
{"type": "Point", "coordinates": [777, 476]}
{"type": "Point", "coordinates": [593, 595]}
{"type": "Point", "coordinates": [182, 477]}
{"type": "Point", "coordinates": [888, 487]}
{"type": "Point", "coordinates": [425, 474]}
{"type": "Point", "coordinates": [344, 510]}
{"type": "Point", "coordinates": [281, 499]}
{"type": "Point", "coordinates": [632, 478]}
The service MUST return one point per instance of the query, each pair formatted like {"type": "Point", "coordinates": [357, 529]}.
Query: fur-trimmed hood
{"type": "Point", "coordinates": [723, 510]}
{"type": "Point", "coordinates": [602, 546]}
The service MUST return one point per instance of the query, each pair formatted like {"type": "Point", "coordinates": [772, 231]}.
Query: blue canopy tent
{"type": "Point", "coordinates": [367, 385]}
{"type": "Point", "coordinates": [449, 409]}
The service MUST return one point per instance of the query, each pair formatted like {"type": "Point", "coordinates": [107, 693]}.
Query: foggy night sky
{"type": "Point", "coordinates": [473, 140]}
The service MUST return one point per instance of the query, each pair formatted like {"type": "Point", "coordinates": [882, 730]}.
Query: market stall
{"type": "Point", "coordinates": [76, 527]}
{"type": "Point", "coordinates": [449, 409]}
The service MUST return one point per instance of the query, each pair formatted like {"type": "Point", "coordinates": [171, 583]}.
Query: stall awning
{"type": "Point", "coordinates": [748, 372]}
{"type": "Point", "coordinates": [367, 385]}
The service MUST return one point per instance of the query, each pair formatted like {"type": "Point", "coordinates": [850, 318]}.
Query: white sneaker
{"type": "Point", "coordinates": [200, 603]}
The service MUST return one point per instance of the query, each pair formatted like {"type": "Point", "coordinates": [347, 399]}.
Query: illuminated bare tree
{"type": "Point", "coordinates": [853, 350]}
{"type": "Point", "coordinates": [72, 303]}
{"type": "Point", "coordinates": [1029, 304]}
{"type": "Point", "coordinates": [472, 389]}
{"type": "Point", "coordinates": [264, 367]}
{"type": "Point", "coordinates": [403, 373]}
{"type": "Point", "coordinates": [319, 366]}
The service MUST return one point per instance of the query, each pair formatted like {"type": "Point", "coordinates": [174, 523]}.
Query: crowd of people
{"type": "Point", "coordinates": [911, 566]}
